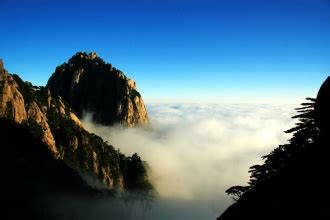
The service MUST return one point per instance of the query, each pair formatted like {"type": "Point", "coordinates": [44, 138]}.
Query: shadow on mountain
{"type": "Point", "coordinates": [294, 179]}
{"type": "Point", "coordinates": [41, 139]}
{"type": "Point", "coordinates": [112, 97]}
{"type": "Point", "coordinates": [31, 177]}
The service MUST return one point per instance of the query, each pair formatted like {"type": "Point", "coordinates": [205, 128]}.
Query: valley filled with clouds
{"type": "Point", "coordinates": [197, 151]}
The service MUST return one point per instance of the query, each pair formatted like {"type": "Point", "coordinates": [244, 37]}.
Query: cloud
{"type": "Point", "coordinates": [197, 151]}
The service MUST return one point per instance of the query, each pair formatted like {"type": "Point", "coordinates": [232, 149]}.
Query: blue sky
{"type": "Point", "coordinates": [178, 50]}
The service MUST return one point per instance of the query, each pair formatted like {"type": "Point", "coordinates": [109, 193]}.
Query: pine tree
{"type": "Point", "coordinates": [304, 135]}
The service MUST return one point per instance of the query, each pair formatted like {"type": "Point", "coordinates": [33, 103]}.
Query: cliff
{"type": "Point", "coordinates": [32, 179]}
{"type": "Point", "coordinates": [293, 180]}
{"type": "Point", "coordinates": [89, 84]}
{"type": "Point", "coordinates": [13, 106]}
{"type": "Point", "coordinates": [54, 123]}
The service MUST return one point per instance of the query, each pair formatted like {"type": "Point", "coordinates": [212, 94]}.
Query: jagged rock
{"type": "Point", "coordinates": [38, 117]}
{"type": "Point", "coordinates": [95, 162]}
{"type": "Point", "coordinates": [66, 147]}
{"type": "Point", "coordinates": [52, 121]}
{"type": "Point", "coordinates": [11, 100]}
{"type": "Point", "coordinates": [89, 84]}
{"type": "Point", "coordinates": [32, 178]}
{"type": "Point", "coordinates": [105, 174]}
{"type": "Point", "coordinates": [76, 120]}
{"type": "Point", "coordinates": [12, 106]}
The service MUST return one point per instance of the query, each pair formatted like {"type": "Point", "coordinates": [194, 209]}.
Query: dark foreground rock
{"type": "Point", "coordinates": [294, 185]}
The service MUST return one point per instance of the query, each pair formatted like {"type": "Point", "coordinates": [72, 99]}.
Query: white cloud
{"type": "Point", "coordinates": [197, 151]}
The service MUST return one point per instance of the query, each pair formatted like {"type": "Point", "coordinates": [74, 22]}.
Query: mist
{"type": "Point", "coordinates": [197, 151]}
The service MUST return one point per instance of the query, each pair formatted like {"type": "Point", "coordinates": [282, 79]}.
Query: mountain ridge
{"type": "Point", "coordinates": [90, 84]}
{"type": "Point", "coordinates": [33, 178]}
{"type": "Point", "coordinates": [53, 121]}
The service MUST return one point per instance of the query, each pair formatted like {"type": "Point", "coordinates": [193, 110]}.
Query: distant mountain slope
{"type": "Point", "coordinates": [87, 83]}
{"type": "Point", "coordinates": [294, 179]}
{"type": "Point", "coordinates": [53, 122]}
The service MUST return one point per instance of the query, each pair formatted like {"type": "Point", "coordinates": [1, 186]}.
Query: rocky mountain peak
{"type": "Point", "coordinates": [23, 110]}
{"type": "Point", "coordinates": [50, 119]}
{"type": "Point", "coordinates": [85, 56]}
{"type": "Point", "coordinates": [44, 144]}
{"type": "Point", "coordinates": [11, 100]}
{"type": "Point", "coordinates": [89, 84]}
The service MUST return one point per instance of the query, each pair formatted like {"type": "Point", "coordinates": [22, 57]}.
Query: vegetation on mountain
{"type": "Point", "coordinates": [286, 184]}
{"type": "Point", "coordinates": [32, 177]}
{"type": "Point", "coordinates": [51, 118]}
{"type": "Point", "coordinates": [304, 135]}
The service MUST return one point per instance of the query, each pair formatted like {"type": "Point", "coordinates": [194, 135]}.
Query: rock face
{"type": "Point", "coordinates": [11, 100]}
{"type": "Point", "coordinates": [32, 178]}
{"type": "Point", "coordinates": [53, 122]}
{"type": "Point", "coordinates": [89, 84]}
{"type": "Point", "coordinates": [13, 106]}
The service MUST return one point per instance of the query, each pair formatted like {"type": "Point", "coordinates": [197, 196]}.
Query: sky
{"type": "Point", "coordinates": [178, 50]}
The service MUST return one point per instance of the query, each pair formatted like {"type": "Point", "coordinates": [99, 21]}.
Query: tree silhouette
{"type": "Point", "coordinates": [137, 185]}
{"type": "Point", "coordinates": [237, 191]}
{"type": "Point", "coordinates": [304, 135]}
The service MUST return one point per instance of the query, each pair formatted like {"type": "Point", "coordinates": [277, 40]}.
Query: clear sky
{"type": "Point", "coordinates": [178, 50]}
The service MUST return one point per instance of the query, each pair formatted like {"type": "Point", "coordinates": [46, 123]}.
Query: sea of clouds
{"type": "Point", "coordinates": [197, 151]}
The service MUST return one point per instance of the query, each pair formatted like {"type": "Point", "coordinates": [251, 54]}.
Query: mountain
{"type": "Point", "coordinates": [53, 122]}
{"type": "Point", "coordinates": [293, 181]}
{"type": "Point", "coordinates": [88, 84]}
{"type": "Point", "coordinates": [32, 178]}
{"type": "Point", "coordinates": [18, 103]}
